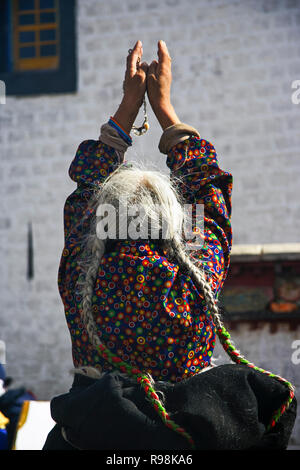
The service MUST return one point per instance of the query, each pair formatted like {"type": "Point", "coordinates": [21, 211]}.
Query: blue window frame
{"type": "Point", "coordinates": [38, 46]}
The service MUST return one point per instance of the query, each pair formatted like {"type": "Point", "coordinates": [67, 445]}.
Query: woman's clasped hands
{"type": "Point", "coordinates": [155, 79]}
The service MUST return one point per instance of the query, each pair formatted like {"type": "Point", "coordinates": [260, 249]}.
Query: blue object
{"type": "Point", "coordinates": [120, 131]}
{"type": "Point", "coordinates": [3, 439]}
{"type": "Point", "coordinates": [2, 372]}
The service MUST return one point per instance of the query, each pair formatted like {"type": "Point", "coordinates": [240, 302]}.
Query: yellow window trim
{"type": "Point", "coordinates": [40, 63]}
{"type": "Point", "coordinates": [37, 62]}
{"type": "Point", "coordinates": [37, 10]}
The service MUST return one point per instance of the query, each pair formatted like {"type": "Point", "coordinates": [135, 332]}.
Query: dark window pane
{"type": "Point", "coordinates": [27, 52]}
{"type": "Point", "coordinates": [27, 36]}
{"type": "Point", "coordinates": [47, 17]}
{"type": "Point", "coordinates": [48, 35]}
{"type": "Point", "coordinates": [48, 50]}
{"type": "Point", "coordinates": [46, 4]}
{"type": "Point", "coordinates": [26, 5]}
{"type": "Point", "coordinates": [26, 19]}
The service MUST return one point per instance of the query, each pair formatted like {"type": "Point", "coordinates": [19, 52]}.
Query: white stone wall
{"type": "Point", "coordinates": [233, 66]}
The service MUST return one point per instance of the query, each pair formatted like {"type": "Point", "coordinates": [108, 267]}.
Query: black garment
{"type": "Point", "coordinates": [225, 408]}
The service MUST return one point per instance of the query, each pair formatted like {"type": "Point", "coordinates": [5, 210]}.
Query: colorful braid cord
{"type": "Point", "coordinates": [236, 357]}
{"type": "Point", "coordinates": [144, 381]}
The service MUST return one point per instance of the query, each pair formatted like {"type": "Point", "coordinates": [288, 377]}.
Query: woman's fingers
{"type": "Point", "coordinates": [144, 67]}
{"type": "Point", "coordinates": [134, 58]}
{"type": "Point", "coordinates": [134, 85]}
{"type": "Point", "coordinates": [163, 54]}
{"type": "Point", "coordinates": [152, 69]}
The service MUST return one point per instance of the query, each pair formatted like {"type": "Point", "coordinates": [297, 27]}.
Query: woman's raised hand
{"type": "Point", "coordinates": [159, 79]}
{"type": "Point", "coordinates": [134, 88]}
{"type": "Point", "coordinates": [156, 78]}
{"type": "Point", "coordinates": [135, 80]}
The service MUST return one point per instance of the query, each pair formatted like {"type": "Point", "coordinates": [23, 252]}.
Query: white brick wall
{"type": "Point", "coordinates": [233, 65]}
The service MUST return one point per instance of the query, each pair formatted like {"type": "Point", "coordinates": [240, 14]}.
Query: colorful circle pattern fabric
{"type": "Point", "coordinates": [147, 311]}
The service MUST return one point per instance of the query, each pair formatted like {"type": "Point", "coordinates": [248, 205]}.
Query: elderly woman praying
{"type": "Point", "coordinates": [147, 306]}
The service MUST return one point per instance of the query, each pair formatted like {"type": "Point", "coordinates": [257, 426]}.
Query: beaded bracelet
{"type": "Point", "coordinates": [112, 122]}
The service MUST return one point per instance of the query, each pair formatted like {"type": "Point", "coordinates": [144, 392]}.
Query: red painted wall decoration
{"type": "Point", "coordinates": [262, 289]}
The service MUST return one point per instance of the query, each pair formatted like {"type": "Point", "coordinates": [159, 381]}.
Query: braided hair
{"type": "Point", "coordinates": [148, 188]}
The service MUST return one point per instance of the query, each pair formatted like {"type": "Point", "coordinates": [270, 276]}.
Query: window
{"type": "Point", "coordinates": [37, 46]}
{"type": "Point", "coordinates": [35, 34]}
